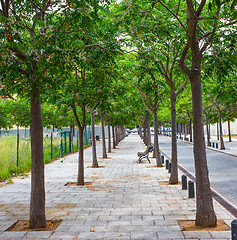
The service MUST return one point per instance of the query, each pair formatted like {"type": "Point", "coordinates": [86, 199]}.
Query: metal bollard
{"type": "Point", "coordinates": [209, 144]}
{"type": "Point", "coordinates": [216, 145]}
{"type": "Point", "coordinates": [184, 182]}
{"type": "Point", "coordinates": [163, 159]}
{"type": "Point", "coordinates": [169, 167]}
{"type": "Point", "coordinates": [213, 145]}
{"type": "Point", "coordinates": [166, 163]}
{"type": "Point", "coordinates": [234, 229]}
{"type": "Point", "coordinates": [191, 193]}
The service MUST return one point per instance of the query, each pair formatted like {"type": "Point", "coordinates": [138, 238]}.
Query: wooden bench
{"type": "Point", "coordinates": [145, 154]}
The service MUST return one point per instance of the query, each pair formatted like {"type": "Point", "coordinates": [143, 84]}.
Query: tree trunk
{"type": "Point", "coordinates": [208, 132]}
{"type": "Point", "coordinates": [156, 140]}
{"type": "Point", "coordinates": [114, 141]}
{"type": "Point", "coordinates": [148, 132]}
{"type": "Point", "coordinates": [109, 137]}
{"type": "Point", "coordinates": [174, 160]}
{"type": "Point", "coordinates": [229, 132]}
{"type": "Point", "coordinates": [80, 176]}
{"type": "Point", "coordinates": [94, 156]}
{"type": "Point", "coordinates": [191, 130]}
{"type": "Point", "coordinates": [221, 133]}
{"type": "Point", "coordinates": [116, 136]}
{"type": "Point", "coordinates": [185, 131]}
{"type": "Point", "coordinates": [217, 130]}
{"type": "Point", "coordinates": [180, 130]}
{"type": "Point", "coordinates": [103, 136]}
{"type": "Point", "coordinates": [37, 201]}
{"type": "Point", "coordinates": [205, 215]}
{"type": "Point", "coordinates": [144, 133]}
{"type": "Point", "coordinates": [73, 130]}
{"type": "Point", "coordinates": [140, 130]}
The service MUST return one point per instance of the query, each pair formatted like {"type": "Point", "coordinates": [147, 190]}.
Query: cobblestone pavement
{"type": "Point", "coordinates": [125, 200]}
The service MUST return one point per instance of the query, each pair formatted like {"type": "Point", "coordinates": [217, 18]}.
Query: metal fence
{"type": "Point", "coordinates": [56, 144]}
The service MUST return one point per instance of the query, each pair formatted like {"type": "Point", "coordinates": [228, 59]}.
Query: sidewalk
{"type": "Point", "coordinates": [124, 200]}
{"type": "Point", "coordinates": [230, 147]}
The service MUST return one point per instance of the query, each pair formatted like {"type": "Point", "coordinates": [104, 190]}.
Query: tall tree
{"type": "Point", "coordinates": [26, 67]}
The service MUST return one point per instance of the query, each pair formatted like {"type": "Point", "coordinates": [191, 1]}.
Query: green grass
{"type": "Point", "coordinates": [8, 154]}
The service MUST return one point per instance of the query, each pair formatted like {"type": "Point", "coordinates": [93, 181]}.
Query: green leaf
{"type": "Point", "coordinates": [218, 3]}
{"type": "Point", "coordinates": [233, 5]}
{"type": "Point", "coordinates": [210, 6]}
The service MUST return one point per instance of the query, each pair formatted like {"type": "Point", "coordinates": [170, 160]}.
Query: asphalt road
{"type": "Point", "coordinates": [222, 167]}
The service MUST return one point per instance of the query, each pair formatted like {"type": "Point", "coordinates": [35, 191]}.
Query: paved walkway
{"type": "Point", "coordinates": [124, 201]}
{"type": "Point", "coordinates": [230, 147]}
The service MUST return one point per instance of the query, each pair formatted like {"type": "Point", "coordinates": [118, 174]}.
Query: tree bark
{"type": "Point", "coordinates": [229, 132]}
{"type": "Point", "coordinates": [37, 201]}
{"type": "Point", "coordinates": [80, 175]}
{"type": "Point", "coordinates": [145, 133]}
{"type": "Point", "coordinates": [221, 133]}
{"type": "Point", "coordinates": [180, 130]}
{"type": "Point", "coordinates": [140, 130]}
{"type": "Point", "coordinates": [114, 140]}
{"type": "Point", "coordinates": [116, 136]}
{"type": "Point", "coordinates": [109, 136]}
{"type": "Point", "coordinates": [208, 131]}
{"type": "Point", "coordinates": [205, 215]}
{"type": "Point", "coordinates": [94, 155]}
{"type": "Point", "coordinates": [191, 130]}
{"type": "Point", "coordinates": [174, 160]}
{"type": "Point", "coordinates": [103, 135]}
{"type": "Point", "coordinates": [148, 131]}
{"type": "Point", "coordinates": [185, 131]}
{"type": "Point", "coordinates": [156, 140]}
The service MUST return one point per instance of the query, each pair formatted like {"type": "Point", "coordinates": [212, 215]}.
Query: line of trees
{"type": "Point", "coordinates": [125, 62]}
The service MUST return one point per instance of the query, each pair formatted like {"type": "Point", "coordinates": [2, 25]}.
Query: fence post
{"type": "Point", "coordinates": [17, 151]}
{"type": "Point", "coordinates": [72, 139]}
{"type": "Point", "coordinates": [51, 146]}
{"type": "Point", "coordinates": [70, 142]}
{"type": "Point", "coordinates": [61, 146]}
{"type": "Point", "coordinates": [87, 137]}
{"type": "Point", "coordinates": [65, 142]}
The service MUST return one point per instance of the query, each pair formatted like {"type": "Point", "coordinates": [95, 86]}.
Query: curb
{"type": "Point", "coordinates": [207, 147]}
{"type": "Point", "coordinates": [218, 197]}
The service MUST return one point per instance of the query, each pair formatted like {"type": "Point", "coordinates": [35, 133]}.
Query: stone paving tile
{"type": "Point", "coordinates": [12, 235]}
{"type": "Point", "coordinates": [220, 234]}
{"type": "Point", "coordinates": [38, 234]}
{"type": "Point", "coordinates": [143, 236]}
{"type": "Point", "coordinates": [170, 234]}
{"type": "Point", "coordinates": [125, 200]}
{"type": "Point", "coordinates": [197, 234]}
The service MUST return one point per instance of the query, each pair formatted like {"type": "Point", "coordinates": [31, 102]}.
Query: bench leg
{"type": "Point", "coordinates": [148, 159]}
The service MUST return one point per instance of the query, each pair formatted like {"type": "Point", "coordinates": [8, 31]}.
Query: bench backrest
{"type": "Point", "coordinates": [150, 148]}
